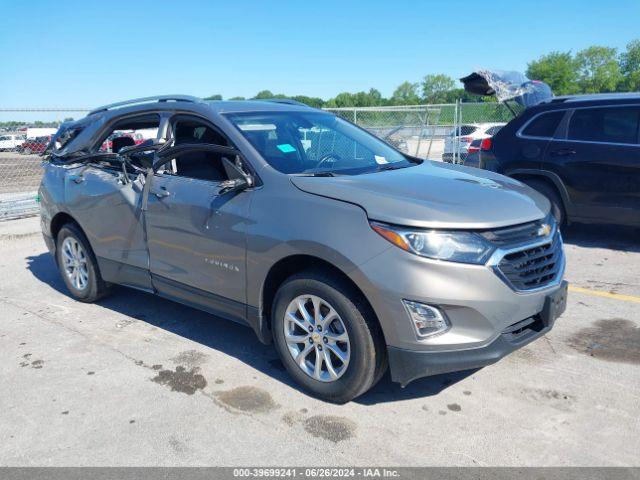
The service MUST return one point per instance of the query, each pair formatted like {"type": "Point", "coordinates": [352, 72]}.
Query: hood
{"type": "Point", "coordinates": [434, 195]}
{"type": "Point", "coordinates": [506, 85]}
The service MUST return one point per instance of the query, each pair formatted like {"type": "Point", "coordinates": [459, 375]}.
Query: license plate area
{"type": "Point", "coordinates": [555, 304]}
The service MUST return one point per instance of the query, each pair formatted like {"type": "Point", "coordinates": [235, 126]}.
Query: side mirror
{"type": "Point", "coordinates": [238, 178]}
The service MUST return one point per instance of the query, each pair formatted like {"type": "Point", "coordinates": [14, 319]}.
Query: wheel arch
{"type": "Point", "coordinates": [550, 178]}
{"type": "Point", "coordinates": [296, 263]}
{"type": "Point", "coordinates": [58, 221]}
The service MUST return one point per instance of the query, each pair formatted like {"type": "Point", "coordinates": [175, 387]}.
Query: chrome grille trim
{"type": "Point", "coordinates": [531, 267]}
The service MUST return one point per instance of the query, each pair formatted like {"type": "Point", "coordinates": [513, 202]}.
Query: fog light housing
{"type": "Point", "coordinates": [427, 320]}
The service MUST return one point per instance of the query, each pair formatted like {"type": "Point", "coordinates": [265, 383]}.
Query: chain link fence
{"type": "Point", "coordinates": [417, 130]}
{"type": "Point", "coordinates": [437, 132]}
{"type": "Point", "coordinates": [24, 134]}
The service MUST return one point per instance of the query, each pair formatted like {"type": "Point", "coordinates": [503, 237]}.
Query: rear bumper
{"type": "Point", "coordinates": [408, 365]}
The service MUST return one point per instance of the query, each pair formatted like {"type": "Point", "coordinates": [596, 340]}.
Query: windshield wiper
{"type": "Point", "coordinates": [390, 166]}
{"type": "Point", "coordinates": [316, 174]}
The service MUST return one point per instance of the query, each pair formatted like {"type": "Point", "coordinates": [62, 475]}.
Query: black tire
{"type": "Point", "coordinates": [368, 361]}
{"type": "Point", "coordinates": [96, 287]}
{"type": "Point", "coordinates": [557, 206]}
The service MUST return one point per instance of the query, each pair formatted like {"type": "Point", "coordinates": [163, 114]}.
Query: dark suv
{"type": "Point", "coordinates": [582, 152]}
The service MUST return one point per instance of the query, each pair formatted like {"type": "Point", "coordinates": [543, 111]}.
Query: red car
{"type": "Point", "coordinates": [34, 145]}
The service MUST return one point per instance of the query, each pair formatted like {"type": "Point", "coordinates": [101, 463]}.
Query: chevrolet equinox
{"type": "Point", "coordinates": [350, 256]}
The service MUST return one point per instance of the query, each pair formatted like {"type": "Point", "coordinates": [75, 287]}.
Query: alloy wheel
{"type": "Point", "coordinates": [316, 338]}
{"type": "Point", "coordinates": [74, 261]}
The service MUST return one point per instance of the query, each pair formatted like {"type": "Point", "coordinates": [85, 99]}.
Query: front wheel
{"type": "Point", "coordinates": [327, 337]}
{"type": "Point", "coordinates": [78, 265]}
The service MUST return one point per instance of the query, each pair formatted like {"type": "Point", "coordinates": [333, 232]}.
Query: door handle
{"type": "Point", "coordinates": [162, 193]}
{"type": "Point", "coordinates": [563, 152]}
{"type": "Point", "coordinates": [76, 178]}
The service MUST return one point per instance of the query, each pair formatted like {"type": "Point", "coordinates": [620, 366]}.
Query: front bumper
{"type": "Point", "coordinates": [408, 365]}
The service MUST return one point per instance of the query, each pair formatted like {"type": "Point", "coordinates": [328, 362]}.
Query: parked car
{"type": "Point", "coordinates": [582, 152]}
{"type": "Point", "coordinates": [34, 145]}
{"type": "Point", "coordinates": [10, 142]}
{"type": "Point", "coordinates": [461, 138]}
{"type": "Point", "coordinates": [473, 152]}
{"type": "Point", "coordinates": [107, 145]}
{"type": "Point", "coordinates": [347, 254]}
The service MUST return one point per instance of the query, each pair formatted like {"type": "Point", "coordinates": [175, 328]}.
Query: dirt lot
{"type": "Point", "coordinates": [137, 380]}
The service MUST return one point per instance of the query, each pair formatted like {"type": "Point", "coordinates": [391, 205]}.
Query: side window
{"type": "Point", "coordinates": [130, 131]}
{"type": "Point", "coordinates": [192, 130]}
{"type": "Point", "coordinates": [493, 130]}
{"type": "Point", "coordinates": [545, 125]}
{"type": "Point", "coordinates": [610, 125]}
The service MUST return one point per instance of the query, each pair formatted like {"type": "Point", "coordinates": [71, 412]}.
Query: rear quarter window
{"type": "Point", "coordinates": [544, 125]}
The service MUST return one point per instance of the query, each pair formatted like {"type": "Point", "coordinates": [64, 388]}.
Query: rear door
{"type": "Point", "coordinates": [527, 149]}
{"type": "Point", "coordinates": [108, 207]}
{"type": "Point", "coordinates": [599, 162]}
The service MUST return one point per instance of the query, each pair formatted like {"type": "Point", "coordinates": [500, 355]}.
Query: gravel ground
{"type": "Point", "coordinates": [136, 380]}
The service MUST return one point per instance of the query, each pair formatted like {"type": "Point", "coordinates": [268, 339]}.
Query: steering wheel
{"type": "Point", "coordinates": [328, 157]}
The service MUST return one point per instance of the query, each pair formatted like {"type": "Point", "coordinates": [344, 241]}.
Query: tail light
{"type": "Point", "coordinates": [486, 144]}
{"type": "Point", "coordinates": [473, 149]}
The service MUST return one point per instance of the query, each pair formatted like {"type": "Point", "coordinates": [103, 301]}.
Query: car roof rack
{"type": "Point", "coordinates": [155, 99]}
{"type": "Point", "coordinates": [587, 97]}
{"type": "Point", "coordinates": [286, 101]}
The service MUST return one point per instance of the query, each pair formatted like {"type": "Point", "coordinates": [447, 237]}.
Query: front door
{"type": "Point", "coordinates": [195, 234]}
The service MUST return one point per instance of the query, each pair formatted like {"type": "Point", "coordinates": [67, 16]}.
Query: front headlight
{"type": "Point", "coordinates": [452, 246]}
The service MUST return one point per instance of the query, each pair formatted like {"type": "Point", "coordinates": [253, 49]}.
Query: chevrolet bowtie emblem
{"type": "Point", "coordinates": [544, 230]}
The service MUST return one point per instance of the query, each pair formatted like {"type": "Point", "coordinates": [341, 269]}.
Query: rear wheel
{"type": "Point", "coordinates": [326, 338]}
{"type": "Point", "coordinates": [557, 207]}
{"type": "Point", "coordinates": [78, 265]}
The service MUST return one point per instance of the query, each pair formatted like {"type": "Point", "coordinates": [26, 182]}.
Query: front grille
{"type": "Point", "coordinates": [533, 267]}
{"type": "Point", "coordinates": [523, 233]}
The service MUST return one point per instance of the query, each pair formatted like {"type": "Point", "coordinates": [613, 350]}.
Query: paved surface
{"type": "Point", "coordinates": [137, 380]}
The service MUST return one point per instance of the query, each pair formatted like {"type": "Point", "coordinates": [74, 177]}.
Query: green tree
{"type": "Point", "coordinates": [314, 102]}
{"type": "Point", "coordinates": [559, 70]}
{"type": "Point", "coordinates": [261, 95]}
{"type": "Point", "coordinates": [435, 88]}
{"type": "Point", "coordinates": [406, 94]}
{"type": "Point", "coordinates": [598, 69]}
{"type": "Point", "coordinates": [342, 100]}
{"type": "Point", "coordinates": [213, 97]}
{"type": "Point", "coordinates": [630, 67]}
{"type": "Point", "coordinates": [237, 98]}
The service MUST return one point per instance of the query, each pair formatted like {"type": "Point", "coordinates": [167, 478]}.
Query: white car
{"type": "Point", "coordinates": [10, 142]}
{"type": "Point", "coordinates": [460, 138]}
